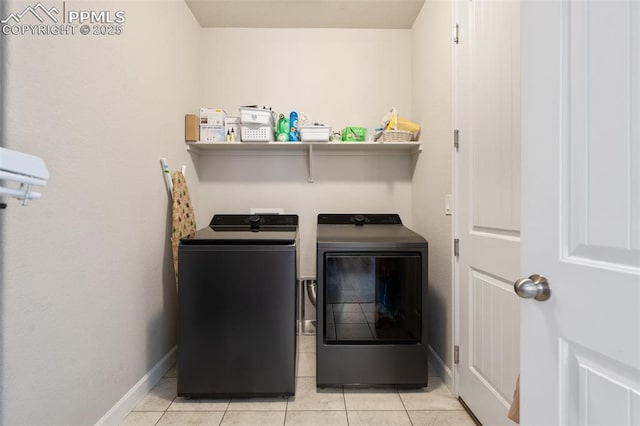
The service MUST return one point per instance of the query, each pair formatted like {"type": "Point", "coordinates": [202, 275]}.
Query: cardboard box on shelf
{"type": "Point", "coordinates": [191, 128]}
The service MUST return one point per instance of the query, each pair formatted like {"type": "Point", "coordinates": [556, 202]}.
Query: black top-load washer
{"type": "Point", "coordinates": [371, 302]}
{"type": "Point", "coordinates": [237, 307]}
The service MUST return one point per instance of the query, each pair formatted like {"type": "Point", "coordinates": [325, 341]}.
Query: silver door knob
{"type": "Point", "coordinates": [534, 287]}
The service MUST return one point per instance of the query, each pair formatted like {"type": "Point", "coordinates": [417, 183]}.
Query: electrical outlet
{"type": "Point", "coordinates": [266, 210]}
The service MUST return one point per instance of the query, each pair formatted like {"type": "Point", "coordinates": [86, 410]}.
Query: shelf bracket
{"type": "Point", "coordinates": [310, 153]}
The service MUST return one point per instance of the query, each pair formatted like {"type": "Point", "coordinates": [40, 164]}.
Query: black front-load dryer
{"type": "Point", "coordinates": [237, 307]}
{"type": "Point", "coordinates": [371, 302]}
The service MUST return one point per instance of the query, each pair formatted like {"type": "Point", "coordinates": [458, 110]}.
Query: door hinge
{"type": "Point", "coordinates": [456, 34]}
{"type": "Point", "coordinates": [456, 354]}
{"type": "Point", "coordinates": [456, 247]}
{"type": "Point", "coordinates": [456, 139]}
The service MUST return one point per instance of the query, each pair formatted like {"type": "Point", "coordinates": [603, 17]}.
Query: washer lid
{"type": "Point", "coordinates": [242, 222]}
{"type": "Point", "coordinates": [375, 231]}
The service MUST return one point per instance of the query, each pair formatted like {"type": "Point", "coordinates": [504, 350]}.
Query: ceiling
{"type": "Point", "coordinates": [396, 14]}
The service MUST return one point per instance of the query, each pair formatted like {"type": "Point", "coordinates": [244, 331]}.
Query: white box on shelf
{"type": "Point", "coordinates": [212, 117]}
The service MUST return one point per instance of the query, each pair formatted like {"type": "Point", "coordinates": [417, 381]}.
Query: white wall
{"type": "Point", "coordinates": [343, 184]}
{"type": "Point", "coordinates": [338, 77]}
{"type": "Point", "coordinates": [87, 294]}
{"type": "Point", "coordinates": [432, 104]}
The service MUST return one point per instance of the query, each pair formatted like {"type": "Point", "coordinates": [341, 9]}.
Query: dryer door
{"type": "Point", "coordinates": [372, 298]}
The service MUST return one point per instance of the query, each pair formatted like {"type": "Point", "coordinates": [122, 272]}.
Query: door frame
{"type": "Point", "coordinates": [461, 21]}
{"type": "Point", "coordinates": [455, 231]}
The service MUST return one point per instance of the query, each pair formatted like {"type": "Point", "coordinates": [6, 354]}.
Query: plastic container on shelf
{"type": "Point", "coordinates": [315, 133]}
{"type": "Point", "coordinates": [256, 116]}
{"type": "Point", "coordinates": [256, 133]}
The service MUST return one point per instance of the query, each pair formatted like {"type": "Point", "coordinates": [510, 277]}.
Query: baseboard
{"type": "Point", "coordinates": [128, 402]}
{"type": "Point", "coordinates": [441, 368]}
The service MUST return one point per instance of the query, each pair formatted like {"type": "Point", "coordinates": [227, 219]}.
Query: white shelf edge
{"type": "Point", "coordinates": [310, 148]}
{"type": "Point", "coordinates": [200, 147]}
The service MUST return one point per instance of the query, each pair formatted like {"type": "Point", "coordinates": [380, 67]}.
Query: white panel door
{"type": "Point", "coordinates": [581, 212]}
{"type": "Point", "coordinates": [487, 116]}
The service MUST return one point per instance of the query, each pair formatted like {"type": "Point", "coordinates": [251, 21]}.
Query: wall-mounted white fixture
{"type": "Point", "coordinates": [24, 169]}
{"type": "Point", "coordinates": [448, 204]}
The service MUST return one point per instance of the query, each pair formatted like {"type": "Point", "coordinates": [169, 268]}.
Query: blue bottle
{"type": "Point", "coordinates": [294, 136]}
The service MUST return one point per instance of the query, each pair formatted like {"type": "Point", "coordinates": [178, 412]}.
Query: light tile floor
{"type": "Point", "coordinates": [431, 406]}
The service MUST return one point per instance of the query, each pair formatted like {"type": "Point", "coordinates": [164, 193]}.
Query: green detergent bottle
{"type": "Point", "coordinates": [282, 129]}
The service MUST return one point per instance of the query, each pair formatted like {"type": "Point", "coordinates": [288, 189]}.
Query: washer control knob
{"type": "Point", "coordinates": [254, 221]}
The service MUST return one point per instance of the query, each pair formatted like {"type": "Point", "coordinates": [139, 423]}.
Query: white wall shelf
{"type": "Point", "coordinates": [308, 148]}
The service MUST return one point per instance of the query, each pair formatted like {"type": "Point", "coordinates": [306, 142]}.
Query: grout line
{"type": "Point", "coordinates": [166, 409]}
{"type": "Point", "coordinates": [346, 409]}
{"type": "Point", "coordinates": [287, 410]}
{"type": "Point", "coordinates": [161, 416]}
{"type": "Point", "coordinates": [223, 416]}
{"type": "Point", "coordinates": [403, 405]}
